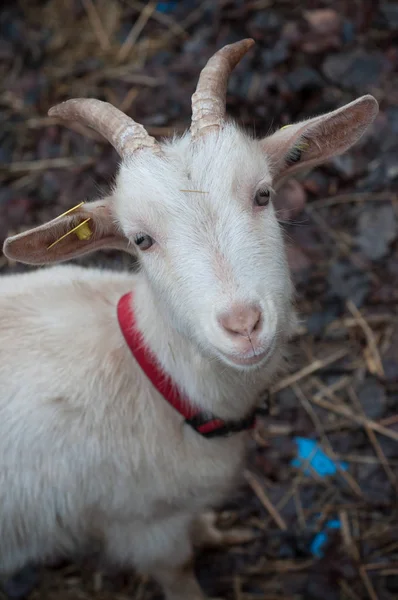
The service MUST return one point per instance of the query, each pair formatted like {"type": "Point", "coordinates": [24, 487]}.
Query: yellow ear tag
{"type": "Point", "coordinates": [284, 127]}
{"type": "Point", "coordinates": [82, 235]}
{"type": "Point", "coordinates": [84, 232]}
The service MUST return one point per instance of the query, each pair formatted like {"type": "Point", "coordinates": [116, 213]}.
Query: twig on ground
{"type": "Point", "coordinates": [262, 496]}
{"type": "Point", "coordinates": [48, 163]}
{"type": "Point", "coordinates": [377, 366]}
{"type": "Point", "coordinates": [316, 365]}
{"type": "Point", "coordinates": [96, 24]}
{"type": "Point", "coordinates": [128, 44]}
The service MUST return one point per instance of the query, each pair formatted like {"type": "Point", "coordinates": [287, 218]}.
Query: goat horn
{"type": "Point", "coordinates": [125, 135]}
{"type": "Point", "coordinates": [209, 99]}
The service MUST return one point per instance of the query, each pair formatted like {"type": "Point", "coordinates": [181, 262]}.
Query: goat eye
{"type": "Point", "coordinates": [262, 197]}
{"type": "Point", "coordinates": [143, 241]}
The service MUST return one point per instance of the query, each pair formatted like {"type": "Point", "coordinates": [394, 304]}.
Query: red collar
{"type": "Point", "coordinates": [206, 424]}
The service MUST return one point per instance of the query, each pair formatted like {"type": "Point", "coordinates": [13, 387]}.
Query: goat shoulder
{"type": "Point", "coordinates": [85, 434]}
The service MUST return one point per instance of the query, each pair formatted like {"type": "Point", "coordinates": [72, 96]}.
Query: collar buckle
{"type": "Point", "coordinates": [210, 426]}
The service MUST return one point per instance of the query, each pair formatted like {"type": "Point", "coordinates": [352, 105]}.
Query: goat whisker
{"type": "Point", "coordinates": [194, 191]}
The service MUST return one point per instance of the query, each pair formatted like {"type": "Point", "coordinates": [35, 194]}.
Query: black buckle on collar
{"type": "Point", "coordinates": [219, 427]}
{"type": "Point", "coordinates": [210, 426]}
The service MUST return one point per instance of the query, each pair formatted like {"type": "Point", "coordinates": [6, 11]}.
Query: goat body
{"type": "Point", "coordinates": [92, 456]}
{"type": "Point", "coordinates": [93, 459]}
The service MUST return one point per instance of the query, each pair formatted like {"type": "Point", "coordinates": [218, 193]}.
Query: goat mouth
{"type": "Point", "coordinates": [250, 361]}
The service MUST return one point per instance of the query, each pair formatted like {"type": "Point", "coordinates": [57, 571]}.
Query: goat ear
{"type": "Point", "coordinates": [309, 143]}
{"type": "Point", "coordinates": [81, 230]}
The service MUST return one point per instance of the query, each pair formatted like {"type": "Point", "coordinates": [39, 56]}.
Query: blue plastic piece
{"type": "Point", "coordinates": [333, 524]}
{"type": "Point", "coordinates": [317, 543]}
{"type": "Point", "coordinates": [319, 462]}
{"type": "Point", "coordinates": [166, 7]}
{"type": "Point", "coordinates": [322, 537]}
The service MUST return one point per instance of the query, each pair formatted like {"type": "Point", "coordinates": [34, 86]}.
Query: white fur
{"type": "Point", "coordinates": [91, 455]}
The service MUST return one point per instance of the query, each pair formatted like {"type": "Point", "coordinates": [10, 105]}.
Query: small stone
{"type": "Point", "coordinates": [194, 43]}
{"type": "Point", "coordinates": [357, 70]}
{"type": "Point", "coordinates": [376, 179]}
{"type": "Point", "coordinates": [318, 31]}
{"type": "Point", "coordinates": [325, 27]}
{"type": "Point", "coordinates": [287, 550]}
{"type": "Point", "coordinates": [316, 183]}
{"type": "Point", "coordinates": [299, 262]}
{"type": "Point", "coordinates": [6, 149]}
{"type": "Point", "coordinates": [18, 207]}
{"type": "Point", "coordinates": [318, 321]}
{"type": "Point", "coordinates": [390, 368]}
{"type": "Point", "coordinates": [21, 584]}
{"type": "Point", "coordinates": [320, 586]}
{"type": "Point", "coordinates": [304, 79]}
{"type": "Point", "coordinates": [5, 197]}
{"type": "Point", "coordinates": [376, 486]}
{"type": "Point", "coordinates": [389, 10]}
{"type": "Point", "coordinates": [377, 227]}
{"type": "Point", "coordinates": [348, 31]}
{"type": "Point", "coordinates": [264, 21]}
{"type": "Point", "coordinates": [276, 55]}
{"type": "Point", "coordinates": [286, 399]}
{"type": "Point", "coordinates": [347, 281]}
{"type": "Point", "coordinates": [6, 50]}
{"type": "Point", "coordinates": [291, 33]}
{"type": "Point", "coordinates": [323, 21]}
{"type": "Point", "coordinates": [345, 165]}
{"type": "Point", "coordinates": [372, 397]}
{"type": "Point", "coordinates": [392, 118]}
{"type": "Point", "coordinates": [392, 584]}
{"type": "Point", "coordinates": [391, 165]}
{"type": "Point", "coordinates": [50, 187]}
{"type": "Point", "coordinates": [388, 446]}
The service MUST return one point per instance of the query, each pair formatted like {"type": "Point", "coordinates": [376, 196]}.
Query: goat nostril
{"type": "Point", "coordinates": [257, 323]}
{"type": "Point", "coordinates": [241, 320]}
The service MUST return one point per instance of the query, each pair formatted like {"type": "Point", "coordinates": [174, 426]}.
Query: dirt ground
{"type": "Point", "coordinates": [321, 485]}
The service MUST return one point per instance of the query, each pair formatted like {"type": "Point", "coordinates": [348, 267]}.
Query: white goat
{"type": "Point", "coordinates": [93, 451]}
